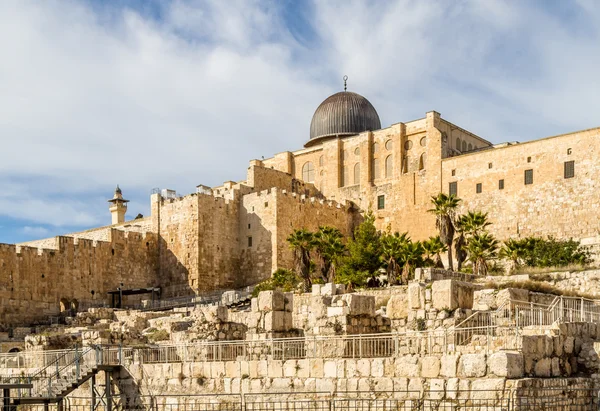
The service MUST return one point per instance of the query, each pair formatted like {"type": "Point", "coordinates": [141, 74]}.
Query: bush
{"type": "Point", "coordinates": [550, 252]}
{"type": "Point", "coordinates": [281, 279]}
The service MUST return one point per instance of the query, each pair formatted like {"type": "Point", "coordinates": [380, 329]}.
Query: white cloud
{"type": "Point", "coordinates": [36, 230]}
{"type": "Point", "coordinates": [90, 100]}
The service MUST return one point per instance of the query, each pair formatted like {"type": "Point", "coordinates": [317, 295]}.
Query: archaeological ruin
{"type": "Point", "coordinates": [162, 313]}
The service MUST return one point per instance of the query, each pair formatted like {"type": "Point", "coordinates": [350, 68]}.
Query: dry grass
{"type": "Point", "coordinates": [539, 287]}
{"type": "Point", "coordinates": [545, 270]}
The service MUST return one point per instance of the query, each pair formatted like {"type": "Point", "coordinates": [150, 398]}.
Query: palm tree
{"type": "Point", "coordinates": [514, 251]}
{"type": "Point", "coordinates": [474, 222]}
{"type": "Point", "coordinates": [445, 210]}
{"type": "Point", "coordinates": [329, 247]}
{"type": "Point", "coordinates": [460, 242]}
{"type": "Point", "coordinates": [302, 242]}
{"type": "Point", "coordinates": [481, 247]}
{"type": "Point", "coordinates": [391, 254]}
{"type": "Point", "coordinates": [433, 248]}
{"type": "Point", "coordinates": [412, 256]}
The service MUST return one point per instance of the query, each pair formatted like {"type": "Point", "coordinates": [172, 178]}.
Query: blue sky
{"type": "Point", "coordinates": [172, 94]}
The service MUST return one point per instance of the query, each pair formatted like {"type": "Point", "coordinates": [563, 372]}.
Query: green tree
{"type": "Point", "coordinates": [302, 242]}
{"type": "Point", "coordinates": [433, 248]}
{"type": "Point", "coordinates": [474, 222]}
{"type": "Point", "coordinates": [392, 256]}
{"type": "Point", "coordinates": [481, 248]}
{"type": "Point", "coordinates": [412, 255]}
{"type": "Point", "coordinates": [329, 247]}
{"type": "Point", "coordinates": [363, 251]}
{"type": "Point", "coordinates": [514, 251]}
{"type": "Point", "coordinates": [444, 208]}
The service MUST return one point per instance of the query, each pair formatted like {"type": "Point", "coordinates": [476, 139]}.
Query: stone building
{"type": "Point", "coordinates": [235, 235]}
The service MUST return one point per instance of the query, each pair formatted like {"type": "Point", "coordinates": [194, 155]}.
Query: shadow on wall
{"type": "Point", "coordinates": [255, 251]}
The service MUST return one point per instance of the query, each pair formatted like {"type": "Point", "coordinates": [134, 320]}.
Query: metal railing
{"type": "Point", "coordinates": [403, 400]}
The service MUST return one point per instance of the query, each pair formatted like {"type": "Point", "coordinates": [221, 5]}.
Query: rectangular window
{"type": "Point", "coordinates": [478, 188]}
{"type": "Point", "coordinates": [569, 169]}
{"type": "Point", "coordinates": [249, 241]}
{"type": "Point", "coordinates": [380, 202]}
{"type": "Point", "coordinates": [453, 189]}
{"type": "Point", "coordinates": [528, 177]}
{"type": "Point", "coordinates": [453, 173]}
{"type": "Point", "coordinates": [501, 184]}
{"type": "Point", "coordinates": [249, 226]}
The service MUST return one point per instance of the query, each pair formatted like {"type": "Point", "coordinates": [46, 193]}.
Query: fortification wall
{"type": "Point", "coordinates": [141, 225]}
{"type": "Point", "coordinates": [294, 211]}
{"type": "Point", "coordinates": [33, 281]}
{"type": "Point", "coordinates": [198, 243]}
{"type": "Point", "coordinates": [551, 205]}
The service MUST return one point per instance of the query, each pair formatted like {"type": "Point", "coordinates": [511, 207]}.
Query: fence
{"type": "Point", "coordinates": [343, 346]}
{"type": "Point", "coordinates": [549, 400]}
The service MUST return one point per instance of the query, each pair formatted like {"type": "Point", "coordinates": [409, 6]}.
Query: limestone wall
{"type": "Point", "coordinates": [141, 225]}
{"type": "Point", "coordinates": [552, 205]}
{"type": "Point", "coordinates": [33, 281]}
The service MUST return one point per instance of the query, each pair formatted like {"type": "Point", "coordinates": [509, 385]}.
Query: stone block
{"type": "Point", "coordinates": [452, 294]}
{"type": "Point", "coordinates": [328, 289]}
{"type": "Point", "coordinates": [363, 367]}
{"type": "Point", "coordinates": [448, 365]}
{"type": "Point", "coordinates": [337, 311]}
{"type": "Point", "coordinates": [543, 368]}
{"type": "Point", "coordinates": [487, 388]}
{"type": "Point", "coordinates": [397, 306]}
{"type": "Point", "coordinates": [274, 321]}
{"type": "Point", "coordinates": [436, 388]}
{"type": "Point", "coordinates": [377, 367]}
{"type": "Point", "coordinates": [316, 289]}
{"type": "Point", "coordinates": [472, 365]}
{"type": "Point", "coordinates": [271, 301]}
{"type": "Point", "coordinates": [416, 296]}
{"type": "Point", "coordinates": [430, 367]}
{"type": "Point", "coordinates": [275, 369]}
{"type": "Point", "coordinates": [506, 364]}
{"type": "Point", "coordinates": [330, 369]}
{"type": "Point", "coordinates": [289, 368]}
{"type": "Point", "coordinates": [340, 289]}
{"type": "Point", "coordinates": [315, 366]}
{"type": "Point", "coordinates": [360, 304]}
{"type": "Point", "coordinates": [407, 366]}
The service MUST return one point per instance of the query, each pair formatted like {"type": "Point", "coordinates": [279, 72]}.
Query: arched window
{"type": "Point", "coordinates": [375, 147]}
{"type": "Point", "coordinates": [470, 146]}
{"type": "Point", "coordinates": [389, 166]}
{"type": "Point", "coordinates": [357, 151]}
{"type": "Point", "coordinates": [458, 146]}
{"type": "Point", "coordinates": [375, 168]}
{"type": "Point", "coordinates": [321, 161]}
{"type": "Point", "coordinates": [405, 164]}
{"type": "Point", "coordinates": [422, 161]}
{"type": "Point", "coordinates": [388, 145]}
{"type": "Point", "coordinates": [464, 146]}
{"type": "Point", "coordinates": [308, 172]}
{"type": "Point", "coordinates": [357, 173]}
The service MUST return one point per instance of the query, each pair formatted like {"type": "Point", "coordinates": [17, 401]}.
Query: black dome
{"type": "Point", "coordinates": [342, 114]}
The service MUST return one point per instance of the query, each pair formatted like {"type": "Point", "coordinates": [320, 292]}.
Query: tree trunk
{"type": "Point", "coordinates": [450, 265]}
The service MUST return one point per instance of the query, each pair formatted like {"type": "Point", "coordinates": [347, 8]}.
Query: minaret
{"type": "Point", "coordinates": [118, 207]}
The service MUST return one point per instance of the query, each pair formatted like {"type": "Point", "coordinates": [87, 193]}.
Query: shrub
{"type": "Point", "coordinates": [282, 279]}
{"type": "Point", "coordinates": [550, 252]}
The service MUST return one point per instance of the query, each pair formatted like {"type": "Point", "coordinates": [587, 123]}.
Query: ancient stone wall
{"type": "Point", "coordinates": [33, 281]}
{"type": "Point", "coordinates": [141, 225]}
